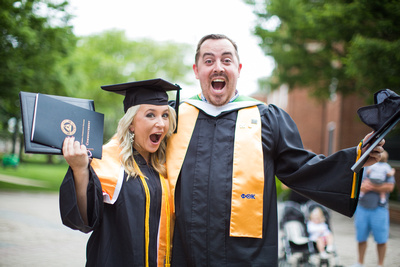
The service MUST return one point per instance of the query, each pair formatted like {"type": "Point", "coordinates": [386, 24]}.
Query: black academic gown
{"type": "Point", "coordinates": [204, 188]}
{"type": "Point", "coordinates": [118, 237]}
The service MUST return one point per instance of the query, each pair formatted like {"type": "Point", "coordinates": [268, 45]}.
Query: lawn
{"type": "Point", "coordinates": [43, 176]}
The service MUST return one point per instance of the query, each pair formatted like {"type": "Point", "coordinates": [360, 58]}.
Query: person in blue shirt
{"type": "Point", "coordinates": [372, 214]}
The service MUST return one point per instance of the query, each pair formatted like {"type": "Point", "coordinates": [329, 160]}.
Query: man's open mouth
{"type": "Point", "coordinates": [218, 84]}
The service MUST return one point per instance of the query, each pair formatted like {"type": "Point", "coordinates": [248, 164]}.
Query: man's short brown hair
{"type": "Point", "coordinates": [214, 37]}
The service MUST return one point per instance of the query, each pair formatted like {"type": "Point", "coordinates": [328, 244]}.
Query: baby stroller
{"type": "Point", "coordinates": [297, 249]}
{"type": "Point", "coordinates": [296, 246]}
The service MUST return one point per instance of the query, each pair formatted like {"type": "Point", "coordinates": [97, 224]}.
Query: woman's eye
{"type": "Point", "coordinates": [165, 115]}
{"type": "Point", "coordinates": [150, 115]}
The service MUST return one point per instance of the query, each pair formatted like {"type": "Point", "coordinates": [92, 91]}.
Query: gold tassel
{"type": "Point", "coordinates": [147, 215]}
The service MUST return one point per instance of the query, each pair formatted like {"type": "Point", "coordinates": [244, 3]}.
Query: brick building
{"type": "Point", "coordinates": [325, 126]}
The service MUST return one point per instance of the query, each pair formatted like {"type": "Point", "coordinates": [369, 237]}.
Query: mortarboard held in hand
{"type": "Point", "coordinates": [152, 92]}
{"type": "Point", "coordinates": [381, 117]}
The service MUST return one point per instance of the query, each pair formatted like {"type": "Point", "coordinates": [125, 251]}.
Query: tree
{"type": "Point", "coordinates": [34, 37]}
{"type": "Point", "coordinates": [331, 45]}
{"type": "Point", "coordinates": [31, 45]}
{"type": "Point", "coordinates": [109, 58]}
{"type": "Point", "coordinates": [40, 53]}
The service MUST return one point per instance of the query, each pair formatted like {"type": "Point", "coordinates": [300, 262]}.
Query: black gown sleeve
{"type": "Point", "coordinates": [69, 210]}
{"type": "Point", "coordinates": [327, 180]}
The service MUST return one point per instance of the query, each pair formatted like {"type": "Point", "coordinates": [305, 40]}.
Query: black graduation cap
{"type": "Point", "coordinates": [387, 106]}
{"type": "Point", "coordinates": [152, 92]}
{"type": "Point", "coordinates": [381, 117]}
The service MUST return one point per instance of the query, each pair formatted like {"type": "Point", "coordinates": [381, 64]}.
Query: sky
{"type": "Point", "coordinates": [182, 21]}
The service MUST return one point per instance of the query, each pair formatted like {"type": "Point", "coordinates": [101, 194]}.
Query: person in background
{"type": "Point", "coordinates": [372, 214]}
{"type": "Point", "coordinates": [222, 164]}
{"type": "Point", "coordinates": [123, 198]}
{"type": "Point", "coordinates": [378, 173]}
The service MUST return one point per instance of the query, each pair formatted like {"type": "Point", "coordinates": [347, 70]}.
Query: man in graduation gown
{"type": "Point", "coordinates": [222, 164]}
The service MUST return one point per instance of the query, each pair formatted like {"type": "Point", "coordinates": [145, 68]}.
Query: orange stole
{"type": "Point", "coordinates": [166, 227]}
{"type": "Point", "coordinates": [248, 167]}
{"type": "Point", "coordinates": [177, 145]}
{"type": "Point", "coordinates": [108, 170]}
{"type": "Point", "coordinates": [248, 176]}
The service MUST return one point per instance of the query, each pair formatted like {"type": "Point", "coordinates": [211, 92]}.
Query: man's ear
{"type": "Point", "coordinates": [195, 71]}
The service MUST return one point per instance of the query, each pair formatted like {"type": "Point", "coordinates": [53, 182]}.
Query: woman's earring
{"type": "Point", "coordinates": [131, 137]}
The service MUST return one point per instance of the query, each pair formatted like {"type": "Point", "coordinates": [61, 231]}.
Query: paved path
{"type": "Point", "coordinates": [31, 234]}
{"type": "Point", "coordinates": [22, 181]}
{"type": "Point", "coordinates": [346, 244]}
{"type": "Point", "coordinates": [344, 233]}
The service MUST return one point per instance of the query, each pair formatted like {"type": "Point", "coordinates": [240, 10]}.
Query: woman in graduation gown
{"type": "Point", "coordinates": [123, 198]}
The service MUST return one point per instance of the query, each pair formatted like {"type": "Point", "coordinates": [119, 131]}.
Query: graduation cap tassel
{"type": "Point", "coordinates": [177, 103]}
{"type": "Point", "coordinates": [147, 213]}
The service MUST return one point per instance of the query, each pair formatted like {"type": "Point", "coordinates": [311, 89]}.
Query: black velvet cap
{"type": "Point", "coordinates": [384, 114]}
{"type": "Point", "coordinates": [152, 92]}
{"type": "Point", "coordinates": [382, 117]}
{"type": "Point", "coordinates": [385, 109]}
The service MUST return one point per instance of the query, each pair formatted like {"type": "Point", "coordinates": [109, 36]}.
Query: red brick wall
{"type": "Point", "coordinates": [394, 211]}
{"type": "Point", "coordinates": [307, 114]}
{"type": "Point", "coordinates": [332, 120]}
{"type": "Point", "coordinates": [314, 118]}
{"type": "Point", "coordinates": [353, 129]}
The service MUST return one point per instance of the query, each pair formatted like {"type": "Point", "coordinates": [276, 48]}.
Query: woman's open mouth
{"type": "Point", "coordinates": [155, 138]}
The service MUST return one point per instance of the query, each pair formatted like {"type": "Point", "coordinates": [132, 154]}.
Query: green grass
{"type": "Point", "coordinates": [36, 169]}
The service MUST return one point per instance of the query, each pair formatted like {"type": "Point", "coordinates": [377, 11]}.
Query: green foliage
{"type": "Point", "coordinates": [34, 39]}
{"type": "Point", "coordinates": [42, 176]}
{"type": "Point", "coordinates": [317, 42]}
{"type": "Point", "coordinates": [372, 61]}
{"type": "Point", "coordinates": [31, 45]}
{"type": "Point", "coordinates": [109, 58]}
{"type": "Point", "coordinates": [40, 53]}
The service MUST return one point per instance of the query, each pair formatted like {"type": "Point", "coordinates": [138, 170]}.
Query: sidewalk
{"type": "Point", "coordinates": [346, 244]}
{"type": "Point", "coordinates": [22, 181]}
{"type": "Point", "coordinates": [31, 234]}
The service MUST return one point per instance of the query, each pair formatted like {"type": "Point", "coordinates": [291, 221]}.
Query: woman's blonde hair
{"type": "Point", "coordinates": [157, 159]}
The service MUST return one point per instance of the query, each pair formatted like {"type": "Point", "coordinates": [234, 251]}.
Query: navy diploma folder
{"type": "Point", "coordinates": [48, 119]}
